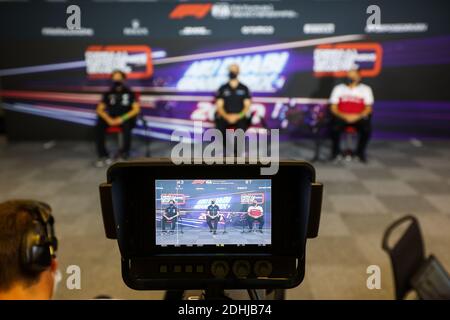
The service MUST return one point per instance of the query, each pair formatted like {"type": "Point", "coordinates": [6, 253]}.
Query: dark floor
{"type": "Point", "coordinates": [360, 201]}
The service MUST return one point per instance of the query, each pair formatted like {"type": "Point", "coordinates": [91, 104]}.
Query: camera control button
{"type": "Point", "coordinates": [199, 268]}
{"type": "Point", "coordinates": [263, 268]}
{"type": "Point", "coordinates": [177, 268]}
{"type": "Point", "coordinates": [220, 269]}
{"type": "Point", "coordinates": [163, 268]}
{"type": "Point", "coordinates": [241, 268]}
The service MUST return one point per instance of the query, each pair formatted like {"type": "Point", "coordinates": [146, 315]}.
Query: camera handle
{"type": "Point", "coordinates": [215, 293]}
{"type": "Point", "coordinates": [211, 293]}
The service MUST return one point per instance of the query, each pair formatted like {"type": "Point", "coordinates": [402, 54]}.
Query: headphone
{"type": "Point", "coordinates": [39, 243]}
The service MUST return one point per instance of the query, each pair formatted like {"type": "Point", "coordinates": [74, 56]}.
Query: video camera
{"type": "Point", "coordinates": [197, 226]}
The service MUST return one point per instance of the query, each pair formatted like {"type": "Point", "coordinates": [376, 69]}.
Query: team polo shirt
{"type": "Point", "coordinates": [171, 211]}
{"type": "Point", "coordinates": [118, 102]}
{"type": "Point", "coordinates": [213, 210]}
{"type": "Point", "coordinates": [255, 211]}
{"type": "Point", "coordinates": [233, 97]}
{"type": "Point", "coordinates": [351, 100]}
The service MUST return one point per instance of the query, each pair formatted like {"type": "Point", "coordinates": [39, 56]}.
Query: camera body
{"type": "Point", "coordinates": [197, 226]}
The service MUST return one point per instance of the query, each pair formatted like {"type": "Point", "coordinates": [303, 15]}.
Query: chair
{"type": "Point", "coordinates": [256, 224]}
{"type": "Point", "coordinates": [167, 223]}
{"type": "Point", "coordinates": [350, 135]}
{"type": "Point", "coordinates": [116, 130]}
{"type": "Point", "coordinates": [245, 224]}
{"type": "Point", "coordinates": [407, 255]}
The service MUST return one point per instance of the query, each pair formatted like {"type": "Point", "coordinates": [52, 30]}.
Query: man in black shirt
{"type": "Point", "coordinates": [170, 216]}
{"type": "Point", "coordinates": [212, 216]}
{"type": "Point", "coordinates": [233, 103]}
{"type": "Point", "coordinates": [118, 108]}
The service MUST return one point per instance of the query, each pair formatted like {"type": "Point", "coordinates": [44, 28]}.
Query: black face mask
{"type": "Point", "coordinates": [117, 84]}
{"type": "Point", "coordinates": [232, 75]}
{"type": "Point", "coordinates": [349, 81]}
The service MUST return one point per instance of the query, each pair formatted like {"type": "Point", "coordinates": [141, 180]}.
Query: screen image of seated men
{"type": "Point", "coordinates": [213, 212]}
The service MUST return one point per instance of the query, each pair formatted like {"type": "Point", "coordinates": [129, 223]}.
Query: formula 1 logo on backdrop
{"type": "Point", "coordinates": [226, 10]}
{"type": "Point", "coordinates": [135, 61]}
{"type": "Point", "coordinates": [198, 11]}
{"type": "Point", "coordinates": [335, 60]}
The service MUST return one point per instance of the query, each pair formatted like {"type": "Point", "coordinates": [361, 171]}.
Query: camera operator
{"type": "Point", "coordinates": [255, 213]}
{"type": "Point", "coordinates": [28, 266]}
{"type": "Point", "coordinates": [170, 215]}
{"type": "Point", "coordinates": [212, 216]}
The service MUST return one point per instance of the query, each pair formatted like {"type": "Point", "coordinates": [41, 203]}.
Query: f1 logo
{"type": "Point", "coordinates": [198, 11]}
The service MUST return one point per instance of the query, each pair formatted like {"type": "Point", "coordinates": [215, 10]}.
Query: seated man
{"type": "Point", "coordinates": [255, 213]}
{"type": "Point", "coordinates": [213, 216]}
{"type": "Point", "coordinates": [117, 108]}
{"type": "Point", "coordinates": [351, 105]}
{"type": "Point", "coordinates": [170, 216]}
{"type": "Point", "coordinates": [28, 267]}
{"type": "Point", "coordinates": [233, 102]}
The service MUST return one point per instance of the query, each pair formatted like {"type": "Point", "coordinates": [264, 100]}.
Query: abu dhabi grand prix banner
{"type": "Point", "coordinates": [56, 59]}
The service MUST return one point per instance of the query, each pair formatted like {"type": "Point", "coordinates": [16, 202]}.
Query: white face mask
{"type": "Point", "coordinates": [57, 277]}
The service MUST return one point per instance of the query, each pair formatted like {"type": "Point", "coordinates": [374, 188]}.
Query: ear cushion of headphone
{"type": "Point", "coordinates": [36, 254]}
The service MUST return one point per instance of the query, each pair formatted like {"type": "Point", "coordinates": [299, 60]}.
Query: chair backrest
{"type": "Point", "coordinates": [407, 254]}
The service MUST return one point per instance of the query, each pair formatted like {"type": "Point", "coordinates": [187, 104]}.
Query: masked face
{"type": "Point", "coordinates": [233, 71]}
{"type": "Point", "coordinates": [232, 75]}
{"type": "Point", "coordinates": [213, 202]}
{"type": "Point", "coordinates": [353, 78]}
{"type": "Point", "coordinates": [117, 85]}
{"type": "Point", "coordinates": [118, 80]}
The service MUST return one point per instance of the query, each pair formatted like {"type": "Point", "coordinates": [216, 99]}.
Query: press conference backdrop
{"type": "Point", "coordinates": [55, 61]}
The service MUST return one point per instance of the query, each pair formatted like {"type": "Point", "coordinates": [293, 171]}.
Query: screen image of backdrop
{"type": "Point", "coordinates": [175, 55]}
{"type": "Point", "coordinates": [213, 212]}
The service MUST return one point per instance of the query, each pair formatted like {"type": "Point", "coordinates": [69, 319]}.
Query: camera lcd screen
{"type": "Point", "coordinates": [213, 212]}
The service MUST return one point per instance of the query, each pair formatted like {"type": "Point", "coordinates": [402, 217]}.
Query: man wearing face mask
{"type": "Point", "coordinates": [28, 266]}
{"type": "Point", "coordinates": [212, 216]}
{"type": "Point", "coordinates": [255, 213]}
{"type": "Point", "coordinates": [118, 108]}
{"type": "Point", "coordinates": [170, 216]}
{"type": "Point", "coordinates": [351, 105]}
{"type": "Point", "coordinates": [233, 102]}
